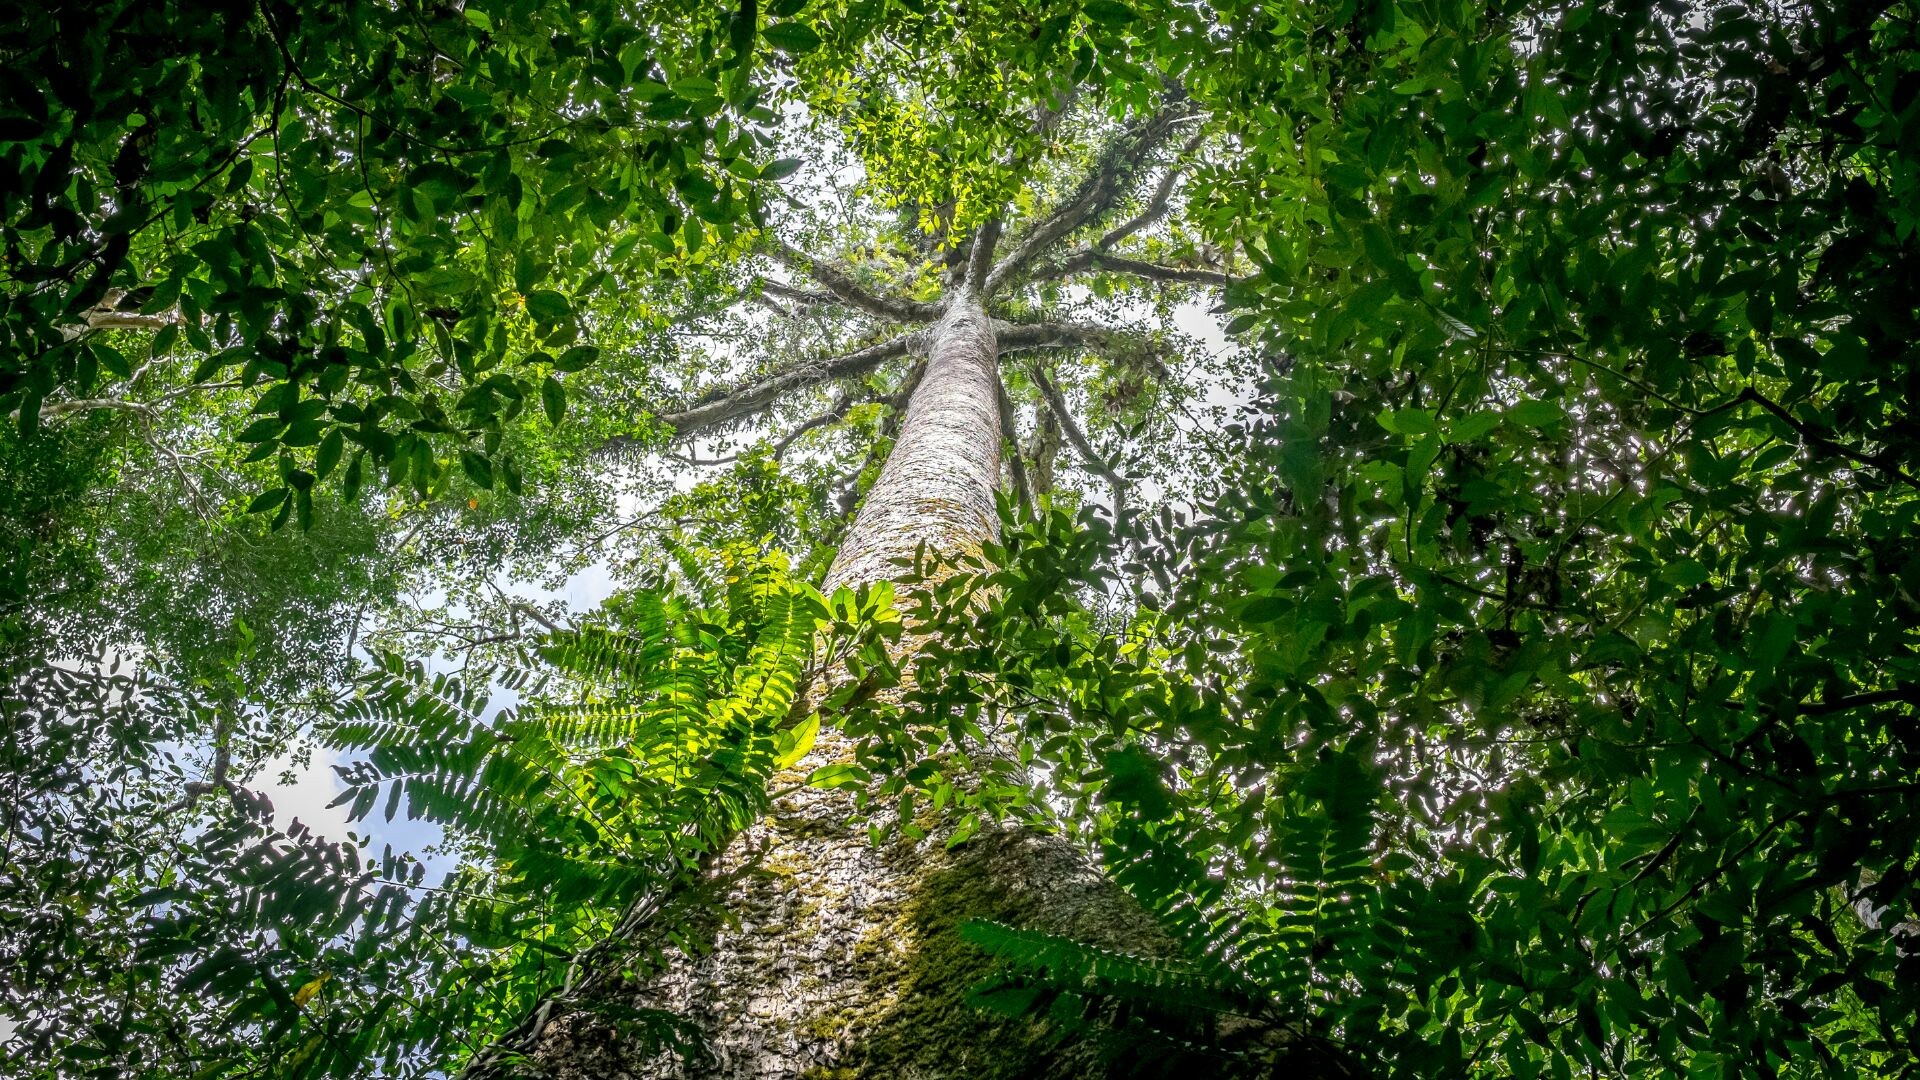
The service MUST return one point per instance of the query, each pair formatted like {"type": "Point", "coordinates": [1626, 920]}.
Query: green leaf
{"type": "Point", "coordinates": [478, 469]}
{"type": "Point", "coordinates": [1109, 13]}
{"type": "Point", "coordinates": [547, 306]}
{"type": "Point", "coordinates": [851, 777]}
{"type": "Point", "coordinates": [267, 500]}
{"type": "Point", "coordinates": [1265, 609]}
{"type": "Point", "coordinates": [1473, 426]}
{"type": "Point", "coordinates": [440, 182]}
{"type": "Point", "coordinates": [793, 743]}
{"type": "Point", "coordinates": [554, 398]}
{"type": "Point", "coordinates": [780, 168]}
{"type": "Point", "coordinates": [577, 358]}
{"type": "Point", "coordinates": [791, 37]}
{"type": "Point", "coordinates": [304, 433]}
{"type": "Point", "coordinates": [328, 456]}
{"type": "Point", "coordinates": [262, 430]}
{"type": "Point", "coordinates": [351, 480]}
{"type": "Point", "coordinates": [1684, 573]}
{"type": "Point", "coordinates": [1408, 421]}
{"type": "Point", "coordinates": [29, 414]}
{"type": "Point", "coordinates": [1536, 413]}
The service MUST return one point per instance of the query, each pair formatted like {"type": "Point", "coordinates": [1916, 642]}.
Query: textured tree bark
{"type": "Point", "coordinates": [838, 959]}
{"type": "Point", "coordinates": [938, 483]}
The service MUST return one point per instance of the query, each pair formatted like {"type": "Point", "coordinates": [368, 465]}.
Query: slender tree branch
{"type": "Point", "coordinates": [847, 496]}
{"type": "Point", "coordinates": [1090, 259]}
{"type": "Point", "coordinates": [1157, 203]}
{"type": "Point", "coordinates": [1883, 461]}
{"type": "Point", "coordinates": [841, 406]}
{"type": "Point", "coordinates": [1096, 194]}
{"type": "Point", "coordinates": [1071, 428]}
{"type": "Point", "coordinates": [61, 408]}
{"type": "Point", "coordinates": [222, 763]}
{"type": "Point", "coordinates": [1010, 434]}
{"type": "Point", "coordinates": [804, 297]}
{"type": "Point", "coordinates": [841, 285]}
{"type": "Point", "coordinates": [753, 396]}
{"type": "Point", "coordinates": [1043, 448]}
{"type": "Point", "coordinates": [695, 459]}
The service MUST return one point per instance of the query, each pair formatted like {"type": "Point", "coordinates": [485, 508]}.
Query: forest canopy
{"type": "Point", "coordinates": [1000, 538]}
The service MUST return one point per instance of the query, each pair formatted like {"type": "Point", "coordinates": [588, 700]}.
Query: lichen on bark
{"type": "Point", "coordinates": [836, 959]}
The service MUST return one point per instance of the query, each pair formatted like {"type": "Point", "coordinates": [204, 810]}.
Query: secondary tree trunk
{"type": "Point", "coordinates": [839, 959]}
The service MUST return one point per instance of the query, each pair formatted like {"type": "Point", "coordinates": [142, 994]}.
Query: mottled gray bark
{"type": "Point", "coordinates": [938, 483]}
{"type": "Point", "coordinates": [837, 959]}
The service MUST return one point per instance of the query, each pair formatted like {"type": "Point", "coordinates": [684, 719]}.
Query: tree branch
{"type": "Point", "coordinates": [842, 286]}
{"type": "Point", "coordinates": [108, 315]}
{"type": "Point", "coordinates": [980, 254]}
{"type": "Point", "coordinates": [1097, 192]}
{"type": "Point", "coordinates": [841, 406]}
{"type": "Point", "coordinates": [838, 411]}
{"type": "Point", "coordinates": [1078, 438]}
{"type": "Point", "coordinates": [1093, 259]}
{"type": "Point", "coordinates": [1010, 434]}
{"type": "Point", "coordinates": [808, 297]}
{"type": "Point", "coordinates": [61, 408]}
{"type": "Point", "coordinates": [1015, 337]}
{"type": "Point", "coordinates": [1157, 203]}
{"type": "Point", "coordinates": [1884, 461]}
{"type": "Point", "coordinates": [1043, 447]}
{"type": "Point", "coordinates": [847, 495]}
{"type": "Point", "coordinates": [755, 395]}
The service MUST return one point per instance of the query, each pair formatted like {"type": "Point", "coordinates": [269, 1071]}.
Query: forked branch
{"type": "Point", "coordinates": [980, 254]}
{"type": "Point", "coordinates": [1157, 203]}
{"type": "Point", "coordinates": [1097, 193]}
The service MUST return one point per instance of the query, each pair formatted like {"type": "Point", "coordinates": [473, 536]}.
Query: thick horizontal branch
{"type": "Point", "coordinates": [1015, 337]}
{"type": "Point", "coordinates": [1096, 195]}
{"type": "Point", "coordinates": [78, 405]}
{"type": "Point", "coordinates": [109, 315]}
{"type": "Point", "coordinates": [807, 297]}
{"type": "Point", "coordinates": [129, 320]}
{"type": "Point", "coordinates": [753, 396]}
{"type": "Point", "coordinates": [1089, 259]}
{"type": "Point", "coordinates": [838, 282]}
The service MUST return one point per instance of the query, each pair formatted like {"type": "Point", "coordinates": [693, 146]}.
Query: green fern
{"type": "Point", "coordinates": [1230, 1009]}
{"type": "Point", "coordinates": [637, 749]}
{"type": "Point", "coordinates": [1148, 1015]}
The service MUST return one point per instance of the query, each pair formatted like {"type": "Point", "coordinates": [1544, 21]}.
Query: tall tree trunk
{"type": "Point", "coordinates": [938, 483]}
{"type": "Point", "coordinates": [839, 959]}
